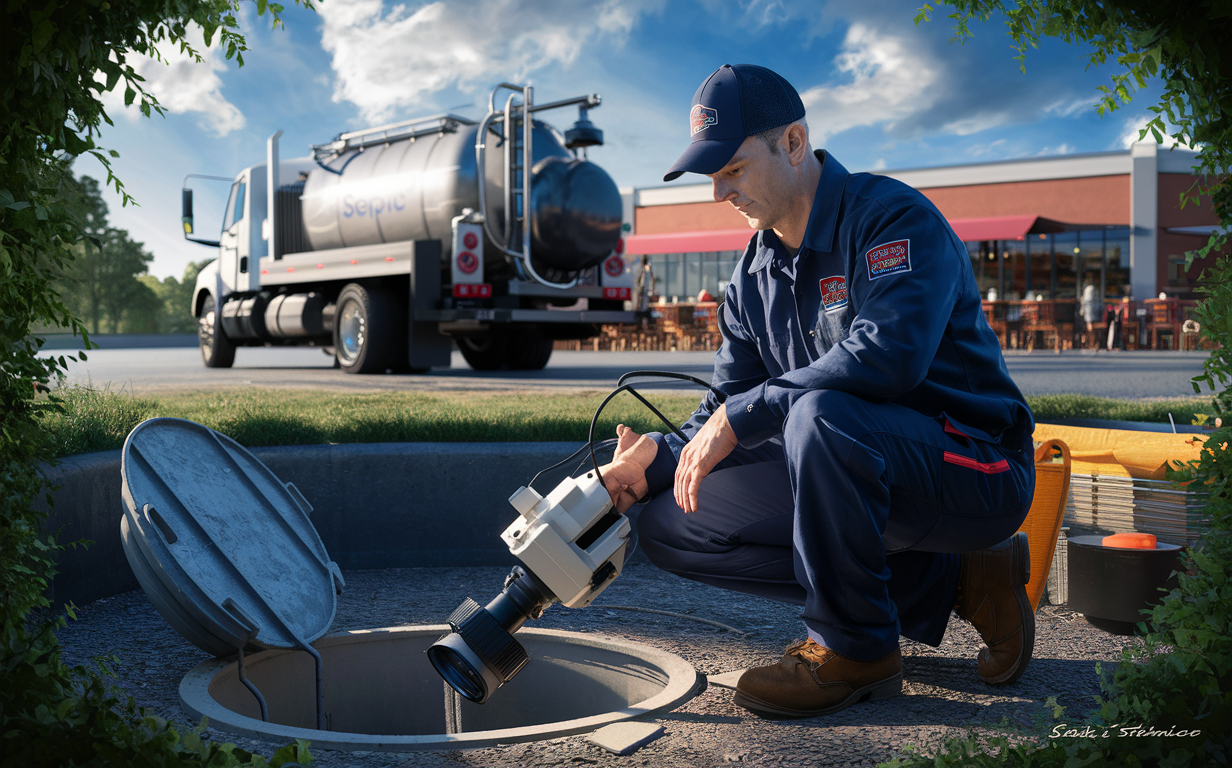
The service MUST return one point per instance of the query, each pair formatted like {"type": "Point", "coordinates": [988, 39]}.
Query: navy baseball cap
{"type": "Point", "coordinates": [732, 104]}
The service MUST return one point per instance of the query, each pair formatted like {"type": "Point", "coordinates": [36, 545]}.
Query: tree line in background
{"type": "Point", "coordinates": [107, 285]}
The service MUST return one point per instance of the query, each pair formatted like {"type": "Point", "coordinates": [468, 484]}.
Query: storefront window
{"type": "Point", "coordinates": [692, 276]}
{"type": "Point", "coordinates": [1014, 266]}
{"type": "Point", "coordinates": [1060, 265]}
{"type": "Point", "coordinates": [672, 279]}
{"type": "Point", "coordinates": [1090, 246]}
{"type": "Point", "coordinates": [1065, 245]}
{"type": "Point", "coordinates": [684, 275]}
{"type": "Point", "coordinates": [1116, 279]}
{"type": "Point", "coordinates": [659, 265]}
{"type": "Point", "coordinates": [725, 267]}
{"type": "Point", "coordinates": [1040, 248]}
{"type": "Point", "coordinates": [983, 264]}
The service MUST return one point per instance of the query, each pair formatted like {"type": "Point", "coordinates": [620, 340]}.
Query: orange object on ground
{"type": "Point", "coordinates": [1122, 452]}
{"type": "Point", "coordinates": [1130, 540]}
{"type": "Point", "coordinates": [1043, 522]}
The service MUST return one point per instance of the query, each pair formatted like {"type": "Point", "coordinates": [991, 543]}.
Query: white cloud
{"type": "Point", "coordinates": [890, 81]}
{"type": "Point", "coordinates": [976, 150]}
{"type": "Point", "coordinates": [183, 86]}
{"type": "Point", "coordinates": [1071, 108]}
{"type": "Point", "coordinates": [1134, 126]}
{"type": "Point", "coordinates": [386, 60]}
{"type": "Point", "coordinates": [1062, 149]}
{"type": "Point", "coordinates": [761, 13]}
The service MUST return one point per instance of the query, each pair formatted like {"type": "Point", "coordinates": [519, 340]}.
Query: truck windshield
{"type": "Point", "coordinates": [235, 206]}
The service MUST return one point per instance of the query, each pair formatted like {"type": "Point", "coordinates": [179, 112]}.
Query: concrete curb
{"type": "Point", "coordinates": [67, 341]}
{"type": "Point", "coordinates": [376, 505]}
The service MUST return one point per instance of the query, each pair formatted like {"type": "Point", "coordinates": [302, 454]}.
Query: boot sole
{"type": "Point", "coordinates": [883, 689]}
{"type": "Point", "coordinates": [1021, 563]}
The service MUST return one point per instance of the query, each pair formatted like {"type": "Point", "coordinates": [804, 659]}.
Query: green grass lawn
{"type": "Point", "coordinates": [93, 420]}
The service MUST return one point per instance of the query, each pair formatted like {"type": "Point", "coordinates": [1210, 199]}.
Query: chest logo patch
{"type": "Point", "coordinates": [701, 118]}
{"type": "Point", "coordinates": [833, 293]}
{"type": "Point", "coordinates": [889, 259]}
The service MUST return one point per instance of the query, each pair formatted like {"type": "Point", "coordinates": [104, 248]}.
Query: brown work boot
{"type": "Point", "coordinates": [813, 680]}
{"type": "Point", "coordinates": [992, 595]}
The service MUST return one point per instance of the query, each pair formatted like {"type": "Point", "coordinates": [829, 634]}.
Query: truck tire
{"type": "Point", "coordinates": [217, 351]}
{"type": "Point", "coordinates": [527, 350]}
{"type": "Point", "coordinates": [484, 353]}
{"type": "Point", "coordinates": [363, 330]}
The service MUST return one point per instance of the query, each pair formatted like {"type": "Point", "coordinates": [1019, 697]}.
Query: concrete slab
{"type": "Point", "coordinates": [726, 679]}
{"type": "Point", "coordinates": [942, 693]}
{"type": "Point", "coordinates": [625, 738]}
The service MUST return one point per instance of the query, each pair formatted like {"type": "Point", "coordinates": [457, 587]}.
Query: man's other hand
{"type": "Point", "coordinates": [712, 443]}
{"type": "Point", "coordinates": [625, 477]}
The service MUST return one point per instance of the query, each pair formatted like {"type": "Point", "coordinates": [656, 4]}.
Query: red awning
{"type": "Point", "coordinates": [990, 228]}
{"type": "Point", "coordinates": [1003, 227]}
{"type": "Point", "coordinates": [689, 242]}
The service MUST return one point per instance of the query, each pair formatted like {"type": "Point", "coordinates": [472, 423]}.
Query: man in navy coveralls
{"type": "Point", "coordinates": [872, 459]}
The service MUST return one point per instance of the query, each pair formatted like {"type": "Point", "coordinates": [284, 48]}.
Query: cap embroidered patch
{"type": "Point", "coordinates": [833, 292]}
{"type": "Point", "coordinates": [889, 259]}
{"type": "Point", "coordinates": [702, 118]}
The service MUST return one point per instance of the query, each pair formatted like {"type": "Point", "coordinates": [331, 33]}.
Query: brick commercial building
{"type": "Point", "coordinates": [1035, 227]}
{"type": "Point", "coordinates": [1038, 231]}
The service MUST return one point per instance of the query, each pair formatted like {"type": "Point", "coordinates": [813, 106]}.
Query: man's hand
{"type": "Point", "coordinates": [625, 477]}
{"type": "Point", "coordinates": [712, 443]}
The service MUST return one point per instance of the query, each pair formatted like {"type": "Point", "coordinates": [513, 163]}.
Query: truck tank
{"type": "Point", "coordinates": [411, 189]}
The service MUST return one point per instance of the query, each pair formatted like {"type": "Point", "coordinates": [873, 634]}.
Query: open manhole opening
{"type": "Point", "coordinates": [381, 693]}
{"type": "Point", "coordinates": [228, 555]}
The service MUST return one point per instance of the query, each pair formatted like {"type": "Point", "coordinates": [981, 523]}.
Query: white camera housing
{"type": "Point", "coordinates": [554, 538]}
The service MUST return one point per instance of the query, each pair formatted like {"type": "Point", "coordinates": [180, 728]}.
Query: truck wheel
{"type": "Point", "coordinates": [484, 353]}
{"type": "Point", "coordinates": [362, 330]}
{"type": "Point", "coordinates": [216, 349]}
{"type": "Point", "coordinates": [528, 350]}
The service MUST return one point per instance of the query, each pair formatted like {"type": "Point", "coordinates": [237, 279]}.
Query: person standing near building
{"type": "Point", "coordinates": [1092, 309]}
{"type": "Point", "coordinates": [643, 286]}
{"type": "Point", "coordinates": [867, 430]}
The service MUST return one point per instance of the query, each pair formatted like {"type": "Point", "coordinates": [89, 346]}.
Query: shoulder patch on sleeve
{"type": "Point", "coordinates": [889, 259]}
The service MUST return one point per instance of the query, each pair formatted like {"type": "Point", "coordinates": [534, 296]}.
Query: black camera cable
{"type": "Point", "coordinates": [591, 446]}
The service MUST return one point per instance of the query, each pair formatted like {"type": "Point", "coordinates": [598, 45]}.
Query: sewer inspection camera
{"type": "Point", "coordinates": [571, 544]}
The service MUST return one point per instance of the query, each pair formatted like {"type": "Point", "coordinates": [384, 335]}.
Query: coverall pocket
{"type": "Point", "coordinates": [985, 495]}
{"type": "Point", "coordinates": [776, 348]}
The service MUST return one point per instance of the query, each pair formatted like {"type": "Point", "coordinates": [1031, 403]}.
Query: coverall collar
{"type": "Point", "coordinates": [819, 233]}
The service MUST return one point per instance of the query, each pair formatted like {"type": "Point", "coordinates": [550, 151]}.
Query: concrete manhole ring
{"type": "Point", "coordinates": [382, 694]}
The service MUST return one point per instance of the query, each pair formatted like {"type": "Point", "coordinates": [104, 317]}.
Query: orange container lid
{"type": "Point", "coordinates": [1130, 540]}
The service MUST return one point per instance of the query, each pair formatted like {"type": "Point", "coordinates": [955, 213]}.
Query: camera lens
{"type": "Point", "coordinates": [480, 654]}
{"type": "Point", "coordinates": [463, 674]}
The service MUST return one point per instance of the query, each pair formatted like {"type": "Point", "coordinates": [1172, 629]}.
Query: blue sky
{"type": "Point", "coordinates": [879, 91]}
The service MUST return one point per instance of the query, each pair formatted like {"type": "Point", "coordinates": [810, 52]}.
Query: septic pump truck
{"type": "Point", "coordinates": [387, 244]}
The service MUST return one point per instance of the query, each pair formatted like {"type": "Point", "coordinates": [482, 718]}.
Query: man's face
{"type": "Point", "coordinates": [753, 181]}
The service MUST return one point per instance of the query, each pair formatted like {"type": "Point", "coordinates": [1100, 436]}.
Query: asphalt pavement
{"type": "Point", "coordinates": [943, 695]}
{"type": "Point", "coordinates": [160, 371]}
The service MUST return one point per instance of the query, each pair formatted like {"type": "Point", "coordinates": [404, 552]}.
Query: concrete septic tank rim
{"type": "Point", "coordinates": [683, 684]}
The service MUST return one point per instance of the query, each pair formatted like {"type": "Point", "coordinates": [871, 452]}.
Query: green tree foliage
{"type": "Point", "coordinates": [106, 284]}
{"type": "Point", "coordinates": [101, 284]}
{"type": "Point", "coordinates": [57, 57]}
{"type": "Point", "coordinates": [1180, 678]}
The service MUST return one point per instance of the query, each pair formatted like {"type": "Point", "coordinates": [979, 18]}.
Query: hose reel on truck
{"type": "Point", "coordinates": [522, 258]}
